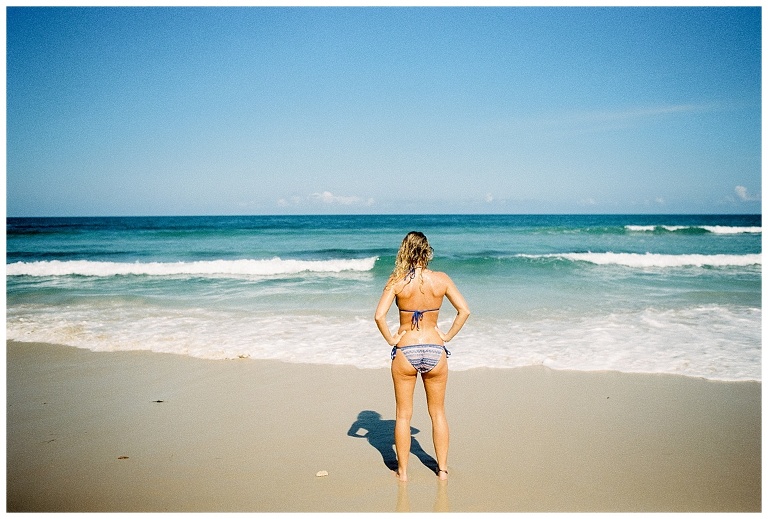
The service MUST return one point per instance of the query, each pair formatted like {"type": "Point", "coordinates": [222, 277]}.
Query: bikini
{"type": "Point", "coordinates": [423, 357]}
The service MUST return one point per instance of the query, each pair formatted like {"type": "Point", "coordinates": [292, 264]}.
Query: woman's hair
{"type": "Point", "coordinates": [414, 252]}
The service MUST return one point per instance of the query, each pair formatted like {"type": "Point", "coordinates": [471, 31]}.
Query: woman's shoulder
{"type": "Point", "coordinates": [440, 277]}
{"type": "Point", "coordinates": [398, 285]}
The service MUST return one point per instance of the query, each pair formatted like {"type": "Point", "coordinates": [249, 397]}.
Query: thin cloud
{"type": "Point", "coordinates": [644, 113]}
{"type": "Point", "coordinates": [294, 200]}
{"type": "Point", "coordinates": [325, 198]}
{"type": "Point", "coordinates": [623, 117]}
{"type": "Point", "coordinates": [744, 195]}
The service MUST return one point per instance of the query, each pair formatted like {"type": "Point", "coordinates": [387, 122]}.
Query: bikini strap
{"type": "Point", "coordinates": [417, 316]}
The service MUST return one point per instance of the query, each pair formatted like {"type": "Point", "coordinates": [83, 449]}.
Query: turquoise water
{"type": "Point", "coordinates": [658, 294]}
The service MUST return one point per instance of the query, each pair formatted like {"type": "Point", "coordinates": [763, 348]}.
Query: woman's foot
{"type": "Point", "coordinates": [442, 474]}
{"type": "Point", "coordinates": [402, 477]}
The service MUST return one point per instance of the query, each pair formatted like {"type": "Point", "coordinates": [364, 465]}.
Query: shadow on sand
{"type": "Point", "coordinates": [381, 435]}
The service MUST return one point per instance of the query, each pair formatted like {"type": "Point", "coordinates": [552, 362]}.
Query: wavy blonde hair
{"type": "Point", "coordinates": [414, 252]}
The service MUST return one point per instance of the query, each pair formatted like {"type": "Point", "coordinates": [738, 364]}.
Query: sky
{"type": "Point", "coordinates": [393, 110]}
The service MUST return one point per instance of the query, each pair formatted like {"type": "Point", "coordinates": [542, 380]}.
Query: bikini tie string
{"type": "Point", "coordinates": [415, 318]}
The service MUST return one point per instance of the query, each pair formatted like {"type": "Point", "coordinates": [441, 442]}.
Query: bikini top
{"type": "Point", "coordinates": [417, 316]}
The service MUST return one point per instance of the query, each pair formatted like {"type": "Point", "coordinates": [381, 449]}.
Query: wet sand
{"type": "Point", "coordinates": [139, 431]}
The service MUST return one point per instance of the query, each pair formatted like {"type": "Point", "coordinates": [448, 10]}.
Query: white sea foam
{"type": "Point", "coordinates": [710, 341]}
{"type": "Point", "coordinates": [721, 229]}
{"type": "Point", "coordinates": [217, 268]}
{"type": "Point", "coordinates": [715, 229]}
{"type": "Point", "coordinates": [640, 228]}
{"type": "Point", "coordinates": [650, 260]}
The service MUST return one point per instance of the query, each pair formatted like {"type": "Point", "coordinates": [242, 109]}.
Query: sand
{"type": "Point", "coordinates": [149, 432]}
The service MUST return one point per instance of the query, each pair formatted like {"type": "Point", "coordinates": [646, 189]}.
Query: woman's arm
{"type": "Point", "coordinates": [462, 309]}
{"type": "Point", "coordinates": [381, 317]}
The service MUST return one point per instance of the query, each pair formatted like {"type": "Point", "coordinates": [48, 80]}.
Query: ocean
{"type": "Point", "coordinates": [675, 294]}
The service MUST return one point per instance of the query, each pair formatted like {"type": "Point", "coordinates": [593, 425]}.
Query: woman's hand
{"type": "Point", "coordinates": [443, 337]}
{"type": "Point", "coordinates": [396, 338]}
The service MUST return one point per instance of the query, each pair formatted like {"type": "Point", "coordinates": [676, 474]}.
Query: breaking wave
{"type": "Point", "coordinates": [215, 268]}
{"type": "Point", "coordinates": [657, 260]}
{"type": "Point", "coordinates": [714, 229]}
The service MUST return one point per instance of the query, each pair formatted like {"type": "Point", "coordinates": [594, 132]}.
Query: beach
{"type": "Point", "coordinates": [205, 207]}
{"type": "Point", "coordinates": [136, 431]}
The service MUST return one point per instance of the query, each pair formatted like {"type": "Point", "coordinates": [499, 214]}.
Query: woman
{"type": "Point", "coordinates": [419, 346]}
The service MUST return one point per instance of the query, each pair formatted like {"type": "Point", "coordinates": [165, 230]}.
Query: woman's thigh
{"type": "Point", "coordinates": [404, 380]}
{"type": "Point", "coordinates": [435, 382]}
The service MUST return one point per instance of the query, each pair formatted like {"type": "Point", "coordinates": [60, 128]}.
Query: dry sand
{"type": "Point", "coordinates": [85, 432]}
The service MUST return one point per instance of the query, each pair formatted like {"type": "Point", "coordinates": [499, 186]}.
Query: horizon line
{"type": "Point", "coordinates": [374, 214]}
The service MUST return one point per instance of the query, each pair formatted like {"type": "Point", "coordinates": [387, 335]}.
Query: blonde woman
{"type": "Point", "coordinates": [418, 344]}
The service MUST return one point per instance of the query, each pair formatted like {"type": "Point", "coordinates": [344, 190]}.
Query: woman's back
{"type": "Point", "coordinates": [419, 298]}
{"type": "Point", "coordinates": [418, 293]}
{"type": "Point", "coordinates": [425, 289]}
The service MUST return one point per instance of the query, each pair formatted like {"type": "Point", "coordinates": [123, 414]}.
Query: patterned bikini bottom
{"type": "Point", "coordinates": [423, 357]}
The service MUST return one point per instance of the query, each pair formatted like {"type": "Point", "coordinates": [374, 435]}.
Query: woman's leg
{"type": "Point", "coordinates": [404, 379]}
{"type": "Point", "coordinates": [435, 382]}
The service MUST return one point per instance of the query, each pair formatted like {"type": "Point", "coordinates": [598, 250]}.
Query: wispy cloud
{"type": "Point", "coordinates": [744, 194]}
{"type": "Point", "coordinates": [325, 198]}
{"type": "Point", "coordinates": [620, 118]}
{"type": "Point", "coordinates": [641, 112]}
{"type": "Point", "coordinates": [287, 202]}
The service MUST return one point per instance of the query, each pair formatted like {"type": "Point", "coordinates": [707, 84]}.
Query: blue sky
{"type": "Point", "coordinates": [267, 110]}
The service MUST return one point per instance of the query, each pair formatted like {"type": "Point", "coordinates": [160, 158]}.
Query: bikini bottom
{"type": "Point", "coordinates": [423, 357]}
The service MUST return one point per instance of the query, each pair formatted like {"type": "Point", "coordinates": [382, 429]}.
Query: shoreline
{"type": "Point", "coordinates": [150, 432]}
